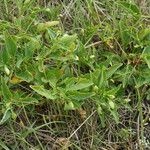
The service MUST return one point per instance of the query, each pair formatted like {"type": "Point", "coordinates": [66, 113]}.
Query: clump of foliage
{"type": "Point", "coordinates": [98, 56]}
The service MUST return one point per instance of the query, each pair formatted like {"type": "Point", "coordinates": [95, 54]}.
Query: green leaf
{"type": "Point", "coordinates": [19, 61]}
{"type": "Point", "coordinates": [131, 8]}
{"type": "Point", "coordinates": [46, 25]}
{"type": "Point", "coordinates": [140, 82]}
{"type": "Point", "coordinates": [52, 76]}
{"type": "Point", "coordinates": [30, 47]}
{"type": "Point", "coordinates": [112, 91]}
{"type": "Point", "coordinates": [99, 110]}
{"type": "Point", "coordinates": [80, 84]}
{"type": "Point", "coordinates": [66, 43]}
{"type": "Point", "coordinates": [43, 92]}
{"type": "Point", "coordinates": [144, 35]}
{"type": "Point", "coordinates": [5, 90]}
{"type": "Point", "coordinates": [146, 55]}
{"type": "Point", "coordinates": [4, 56]}
{"type": "Point", "coordinates": [125, 34]}
{"type": "Point", "coordinates": [76, 95]}
{"type": "Point", "coordinates": [7, 71]}
{"type": "Point", "coordinates": [111, 104]}
{"type": "Point", "coordinates": [101, 116]}
{"type": "Point", "coordinates": [69, 106]}
{"type": "Point", "coordinates": [67, 39]}
{"type": "Point", "coordinates": [25, 76]}
{"type": "Point", "coordinates": [102, 77]}
{"type": "Point", "coordinates": [115, 114]}
{"type": "Point", "coordinates": [27, 100]}
{"type": "Point", "coordinates": [10, 44]}
{"type": "Point", "coordinates": [111, 70]}
{"type": "Point", "coordinates": [143, 78]}
{"type": "Point", "coordinates": [26, 2]}
{"type": "Point", "coordinates": [6, 116]}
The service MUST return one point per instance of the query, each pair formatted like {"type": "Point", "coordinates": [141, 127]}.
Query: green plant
{"type": "Point", "coordinates": [70, 55]}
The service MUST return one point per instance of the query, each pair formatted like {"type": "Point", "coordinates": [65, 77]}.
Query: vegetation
{"type": "Point", "coordinates": [75, 74]}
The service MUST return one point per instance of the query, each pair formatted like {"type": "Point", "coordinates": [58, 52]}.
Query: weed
{"type": "Point", "coordinates": [74, 74]}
